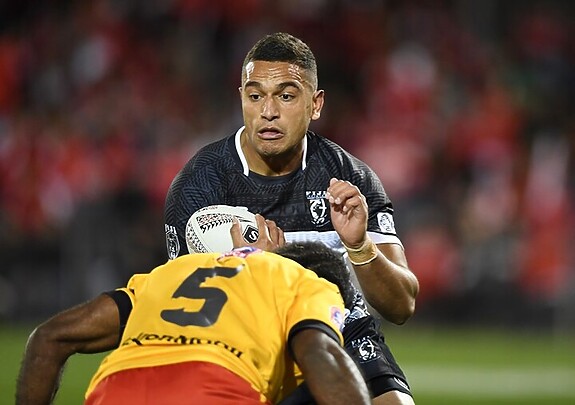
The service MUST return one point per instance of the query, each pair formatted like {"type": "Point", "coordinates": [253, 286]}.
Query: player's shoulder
{"type": "Point", "coordinates": [215, 153]}
{"type": "Point", "coordinates": [335, 157]}
{"type": "Point", "coordinates": [212, 161]}
{"type": "Point", "coordinates": [321, 143]}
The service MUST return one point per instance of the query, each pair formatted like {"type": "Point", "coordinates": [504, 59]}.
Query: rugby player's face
{"type": "Point", "coordinates": [278, 102]}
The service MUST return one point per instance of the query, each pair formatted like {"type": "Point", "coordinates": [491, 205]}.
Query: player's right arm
{"type": "Point", "coordinates": [386, 281]}
{"type": "Point", "coordinates": [92, 327]}
{"type": "Point", "coordinates": [270, 236]}
{"type": "Point", "coordinates": [331, 375]}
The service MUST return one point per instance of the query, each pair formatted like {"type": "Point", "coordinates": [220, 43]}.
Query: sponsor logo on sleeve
{"type": "Point", "coordinates": [172, 242]}
{"type": "Point", "coordinates": [385, 221]}
{"type": "Point", "coordinates": [337, 317]}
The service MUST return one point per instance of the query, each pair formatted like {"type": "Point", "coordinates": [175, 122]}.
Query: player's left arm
{"type": "Point", "coordinates": [382, 270]}
{"type": "Point", "coordinates": [91, 327]}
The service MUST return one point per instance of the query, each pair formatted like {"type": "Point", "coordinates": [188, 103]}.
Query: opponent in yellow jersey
{"type": "Point", "coordinates": [236, 310]}
{"type": "Point", "coordinates": [205, 328]}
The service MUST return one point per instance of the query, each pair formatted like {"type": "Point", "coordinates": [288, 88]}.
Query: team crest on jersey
{"type": "Point", "coordinates": [318, 206]}
{"type": "Point", "coordinates": [172, 241]}
{"type": "Point", "coordinates": [385, 221]}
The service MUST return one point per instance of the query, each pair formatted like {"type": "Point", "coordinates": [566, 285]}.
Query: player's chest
{"type": "Point", "coordinates": [296, 205]}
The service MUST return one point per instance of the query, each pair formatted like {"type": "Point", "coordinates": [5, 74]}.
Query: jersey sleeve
{"type": "Point", "coordinates": [342, 164]}
{"type": "Point", "coordinates": [380, 225]}
{"type": "Point", "coordinates": [186, 195]}
{"type": "Point", "coordinates": [318, 305]}
{"type": "Point", "coordinates": [125, 299]}
{"type": "Point", "coordinates": [124, 304]}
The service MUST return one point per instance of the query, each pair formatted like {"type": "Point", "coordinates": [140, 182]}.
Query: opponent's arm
{"type": "Point", "coordinates": [382, 271]}
{"type": "Point", "coordinates": [92, 327]}
{"type": "Point", "coordinates": [329, 372]}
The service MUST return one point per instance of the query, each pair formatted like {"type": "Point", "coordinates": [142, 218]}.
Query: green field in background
{"type": "Point", "coordinates": [444, 366]}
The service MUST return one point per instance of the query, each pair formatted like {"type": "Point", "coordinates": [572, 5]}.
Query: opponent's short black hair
{"type": "Point", "coordinates": [325, 262]}
{"type": "Point", "coordinates": [283, 47]}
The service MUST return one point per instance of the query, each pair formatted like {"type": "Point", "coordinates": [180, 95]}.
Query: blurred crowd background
{"type": "Point", "coordinates": [465, 109]}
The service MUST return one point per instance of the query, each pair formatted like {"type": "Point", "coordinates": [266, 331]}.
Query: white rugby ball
{"type": "Point", "coordinates": [208, 229]}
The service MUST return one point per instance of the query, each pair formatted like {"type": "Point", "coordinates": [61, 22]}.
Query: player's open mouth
{"type": "Point", "coordinates": [270, 133]}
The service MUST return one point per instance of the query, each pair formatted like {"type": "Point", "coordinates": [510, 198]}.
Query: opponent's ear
{"type": "Point", "coordinates": [318, 99]}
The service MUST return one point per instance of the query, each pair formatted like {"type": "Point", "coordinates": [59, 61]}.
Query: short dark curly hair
{"type": "Point", "coordinates": [325, 262]}
{"type": "Point", "coordinates": [283, 47]}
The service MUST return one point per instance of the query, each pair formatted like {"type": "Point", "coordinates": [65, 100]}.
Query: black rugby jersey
{"type": "Point", "coordinates": [218, 174]}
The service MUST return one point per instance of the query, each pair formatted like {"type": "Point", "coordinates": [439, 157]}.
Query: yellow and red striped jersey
{"type": "Point", "coordinates": [236, 310]}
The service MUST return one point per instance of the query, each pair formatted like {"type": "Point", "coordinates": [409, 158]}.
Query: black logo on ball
{"type": "Point", "coordinates": [250, 233]}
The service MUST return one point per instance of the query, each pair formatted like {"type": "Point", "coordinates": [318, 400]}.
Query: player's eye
{"type": "Point", "coordinates": [286, 97]}
{"type": "Point", "coordinates": [254, 97]}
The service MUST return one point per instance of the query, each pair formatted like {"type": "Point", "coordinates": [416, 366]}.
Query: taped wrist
{"type": "Point", "coordinates": [364, 254]}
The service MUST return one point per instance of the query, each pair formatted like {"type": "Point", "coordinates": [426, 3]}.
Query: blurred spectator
{"type": "Point", "coordinates": [468, 122]}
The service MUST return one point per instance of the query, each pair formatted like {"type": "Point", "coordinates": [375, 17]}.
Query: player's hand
{"type": "Point", "coordinates": [270, 236]}
{"type": "Point", "coordinates": [349, 212]}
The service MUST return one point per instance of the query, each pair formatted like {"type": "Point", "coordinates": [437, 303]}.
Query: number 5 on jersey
{"type": "Point", "coordinates": [214, 298]}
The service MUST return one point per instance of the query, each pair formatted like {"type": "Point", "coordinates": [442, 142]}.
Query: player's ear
{"type": "Point", "coordinates": [317, 100]}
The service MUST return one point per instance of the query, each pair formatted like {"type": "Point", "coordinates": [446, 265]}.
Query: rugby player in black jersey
{"type": "Point", "coordinates": [304, 187]}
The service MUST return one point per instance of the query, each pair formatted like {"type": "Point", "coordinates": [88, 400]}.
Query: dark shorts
{"type": "Point", "coordinates": [366, 345]}
{"type": "Point", "coordinates": [302, 396]}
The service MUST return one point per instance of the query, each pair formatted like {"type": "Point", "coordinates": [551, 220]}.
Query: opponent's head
{"type": "Point", "coordinates": [323, 261]}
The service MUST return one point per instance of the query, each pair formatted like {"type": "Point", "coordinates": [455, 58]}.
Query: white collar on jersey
{"type": "Point", "coordinates": [243, 157]}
